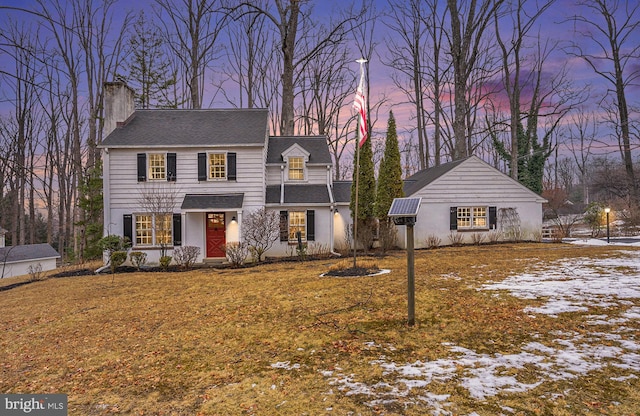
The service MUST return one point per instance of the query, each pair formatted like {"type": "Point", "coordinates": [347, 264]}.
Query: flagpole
{"type": "Point", "coordinates": [361, 61]}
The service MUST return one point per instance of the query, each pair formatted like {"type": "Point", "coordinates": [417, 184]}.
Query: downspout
{"type": "Point", "coordinates": [331, 213]}
{"type": "Point", "coordinates": [106, 199]}
{"type": "Point", "coordinates": [281, 185]}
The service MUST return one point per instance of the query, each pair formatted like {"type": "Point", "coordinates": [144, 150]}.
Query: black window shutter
{"type": "Point", "coordinates": [311, 225]}
{"type": "Point", "coordinates": [202, 166]}
{"type": "Point", "coordinates": [284, 226]}
{"type": "Point", "coordinates": [171, 167]}
{"type": "Point", "coordinates": [453, 218]}
{"type": "Point", "coordinates": [231, 166]}
{"type": "Point", "coordinates": [177, 229]}
{"type": "Point", "coordinates": [127, 222]}
{"type": "Point", "coordinates": [142, 167]}
{"type": "Point", "coordinates": [493, 218]}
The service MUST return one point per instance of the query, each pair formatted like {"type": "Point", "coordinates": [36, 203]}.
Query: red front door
{"type": "Point", "coordinates": [215, 234]}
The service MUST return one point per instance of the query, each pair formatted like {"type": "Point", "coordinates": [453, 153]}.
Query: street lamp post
{"type": "Point", "coordinates": [607, 210]}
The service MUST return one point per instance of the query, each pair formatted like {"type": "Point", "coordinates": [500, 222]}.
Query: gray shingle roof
{"type": "Point", "coordinates": [424, 177]}
{"type": "Point", "coordinates": [175, 128]}
{"type": "Point", "coordinates": [27, 252]}
{"type": "Point", "coordinates": [299, 194]}
{"type": "Point", "coordinates": [315, 145]}
{"type": "Point", "coordinates": [342, 191]}
{"type": "Point", "coordinates": [212, 201]}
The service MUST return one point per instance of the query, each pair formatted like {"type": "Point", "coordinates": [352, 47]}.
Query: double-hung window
{"type": "Point", "coordinates": [217, 165]}
{"type": "Point", "coordinates": [294, 223]}
{"type": "Point", "coordinates": [297, 224]}
{"type": "Point", "coordinates": [144, 230]}
{"type": "Point", "coordinates": [157, 166]}
{"type": "Point", "coordinates": [296, 168]}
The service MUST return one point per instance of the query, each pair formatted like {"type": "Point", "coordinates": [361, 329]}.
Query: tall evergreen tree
{"type": "Point", "coordinates": [390, 175]}
{"type": "Point", "coordinates": [149, 69]}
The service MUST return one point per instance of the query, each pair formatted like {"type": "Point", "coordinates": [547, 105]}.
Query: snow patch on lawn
{"type": "Point", "coordinates": [572, 285]}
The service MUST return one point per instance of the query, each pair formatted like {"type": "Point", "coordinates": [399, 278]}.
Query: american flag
{"type": "Point", "coordinates": [360, 105]}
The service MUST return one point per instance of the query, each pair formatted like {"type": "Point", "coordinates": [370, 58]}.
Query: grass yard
{"type": "Point", "coordinates": [522, 329]}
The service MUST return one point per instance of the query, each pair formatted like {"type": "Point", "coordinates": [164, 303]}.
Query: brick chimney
{"type": "Point", "coordinates": [119, 104]}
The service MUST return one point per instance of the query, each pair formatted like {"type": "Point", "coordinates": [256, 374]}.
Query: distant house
{"type": "Point", "coordinates": [210, 169]}
{"type": "Point", "coordinates": [468, 200]}
{"type": "Point", "coordinates": [25, 259]}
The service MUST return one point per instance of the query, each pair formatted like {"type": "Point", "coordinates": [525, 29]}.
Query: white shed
{"type": "Point", "coordinates": [469, 200]}
{"type": "Point", "coordinates": [21, 260]}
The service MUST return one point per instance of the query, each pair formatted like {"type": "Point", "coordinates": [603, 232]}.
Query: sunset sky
{"type": "Point", "coordinates": [555, 26]}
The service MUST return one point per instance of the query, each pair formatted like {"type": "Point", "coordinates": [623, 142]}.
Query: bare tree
{"type": "Point", "coordinates": [612, 28]}
{"type": "Point", "coordinates": [539, 115]}
{"type": "Point", "coordinates": [299, 40]}
{"type": "Point", "coordinates": [513, 54]}
{"type": "Point", "coordinates": [19, 132]}
{"type": "Point", "coordinates": [191, 29]}
{"type": "Point", "coordinates": [260, 230]}
{"type": "Point", "coordinates": [468, 22]}
{"type": "Point", "coordinates": [251, 60]}
{"type": "Point", "coordinates": [159, 202]}
{"type": "Point", "coordinates": [408, 57]}
{"type": "Point", "coordinates": [583, 131]}
{"type": "Point", "coordinates": [328, 84]}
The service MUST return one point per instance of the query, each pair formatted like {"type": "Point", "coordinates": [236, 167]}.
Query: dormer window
{"type": "Point", "coordinates": [295, 159]}
{"type": "Point", "coordinates": [296, 168]}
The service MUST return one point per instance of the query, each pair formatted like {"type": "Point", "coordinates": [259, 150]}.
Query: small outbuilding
{"type": "Point", "coordinates": [470, 201]}
{"type": "Point", "coordinates": [26, 259]}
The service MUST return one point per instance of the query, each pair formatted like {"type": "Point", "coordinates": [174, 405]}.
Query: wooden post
{"type": "Point", "coordinates": [411, 289]}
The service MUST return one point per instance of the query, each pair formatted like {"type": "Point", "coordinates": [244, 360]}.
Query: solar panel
{"type": "Point", "coordinates": [404, 207]}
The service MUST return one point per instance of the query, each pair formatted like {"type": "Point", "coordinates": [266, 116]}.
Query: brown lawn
{"type": "Point", "coordinates": [273, 339]}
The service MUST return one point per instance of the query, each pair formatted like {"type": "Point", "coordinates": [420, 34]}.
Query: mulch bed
{"type": "Point", "coordinates": [352, 272]}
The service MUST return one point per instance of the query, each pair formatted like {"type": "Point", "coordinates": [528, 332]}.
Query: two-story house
{"type": "Point", "coordinates": [188, 177]}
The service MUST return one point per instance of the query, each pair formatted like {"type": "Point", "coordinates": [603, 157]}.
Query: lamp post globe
{"type": "Point", "coordinates": [607, 210]}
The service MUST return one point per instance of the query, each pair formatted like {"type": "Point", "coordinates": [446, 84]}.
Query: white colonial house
{"type": "Point", "coordinates": [189, 177]}
{"type": "Point", "coordinates": [469, 199]}
{"type": "Point", "coordinates": [207, 170]}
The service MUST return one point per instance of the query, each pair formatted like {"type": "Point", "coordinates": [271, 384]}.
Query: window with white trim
{"type": "Point", "coordinates": [217, 165]}
{"type": "Point", "coordinates": [153, 229]}
{"type": "Point", "coordinates": [157, 166]}
{"type": "Point", "coordinates": [473, 218]}
{"type": "Point", "coordinates": [296, 168]}
{"type": "Point", "coordinates": [297, 223]}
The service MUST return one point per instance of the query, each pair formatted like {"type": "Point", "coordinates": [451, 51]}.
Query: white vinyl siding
{"type": "Point", "coordinates": [125, 191]}
{"type": "Point", "coordinates": [473, 183]}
